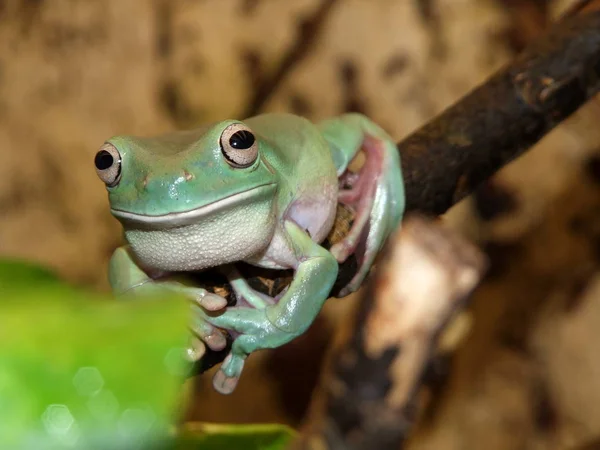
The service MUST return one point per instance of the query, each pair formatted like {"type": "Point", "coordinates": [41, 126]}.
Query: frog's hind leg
{"type": "Point", "coordinates": [372, 198]}
{"type": "Point", "coordinates": [360, 196]}
{"type": "Point", "coordinates": [375, 193]}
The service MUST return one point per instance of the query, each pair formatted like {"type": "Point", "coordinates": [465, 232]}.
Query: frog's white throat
{"type": "Point", "coordinates": [232, 229]}
{"type": "Point", "coordinates": [183, 218]}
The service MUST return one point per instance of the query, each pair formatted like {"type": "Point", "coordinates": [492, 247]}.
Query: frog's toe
{"type": "Point", "coordinates": [216, 341]}
{"type": "Point", "coordinates": [212, 302]}
{"type": "Point", "coordinates": [224, 384]}
{"type": "Point", "coordinates": [342, 250]}
{"type": "Point", "coordinates": [213, 337]}
{"type": "Point", "coordinates": [196, 349]}
{"type": "Point", "coordinates": [201, 297]}
{"type": "Point", "coordinates": [355, 283]}
{"type": "Point", "coordinates": [228, 376]}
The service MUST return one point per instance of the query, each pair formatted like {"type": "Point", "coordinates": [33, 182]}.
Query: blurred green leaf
{"type": "Point", "coordinates": [19, 275]}
{"type": "Point", "coordinates": [79, 370]}
{"type": "Point", "coordinates": [206, 436]}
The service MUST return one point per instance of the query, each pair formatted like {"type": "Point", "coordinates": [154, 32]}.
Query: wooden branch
{"type": "Point", "coordinates": [448, 157]}
{"type": "Point", "coordinates": [451, 155]}
{"type": "Point", "coordinates": [367, 399]}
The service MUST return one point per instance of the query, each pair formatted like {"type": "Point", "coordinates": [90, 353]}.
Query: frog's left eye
{"type": "Point", "coordinates": [108, 164]}
{"type": "Point", "coordinates": [239, 145]}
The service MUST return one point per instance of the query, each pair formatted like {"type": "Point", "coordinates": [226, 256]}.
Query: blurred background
{"type": "Point", "coordinates": [526, 375]}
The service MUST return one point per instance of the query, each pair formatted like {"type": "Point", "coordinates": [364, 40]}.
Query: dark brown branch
{"type": "Point", "coordinates": [368, 398]}
{"type": "Point", "coordinates": [581, 6]}
{"type": "Point", "coordinates": [451, 155]}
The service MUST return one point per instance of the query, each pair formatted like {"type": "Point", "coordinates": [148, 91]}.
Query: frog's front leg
{"type": "Point", "coordinates": [376, 192]}
{"type": "Point", "coordinates": [127, 277]}
{"type": "Point", "coordinates": [274, 323]}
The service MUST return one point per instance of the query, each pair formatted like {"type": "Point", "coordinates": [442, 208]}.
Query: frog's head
{"type": "Point", "coordinates": [192, 199]}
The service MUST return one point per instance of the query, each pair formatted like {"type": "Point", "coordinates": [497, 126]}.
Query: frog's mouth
{"type": "Point", "coordinates": [179, 219]}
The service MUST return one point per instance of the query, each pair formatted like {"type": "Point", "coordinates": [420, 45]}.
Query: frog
{"type": "Point", "coordinates": [261, 191]}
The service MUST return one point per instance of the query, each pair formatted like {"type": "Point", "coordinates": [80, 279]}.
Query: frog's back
{"type": "Point", "coordinates": [295, 145]}
{"type": "Point", "coordinates": [300, 155]}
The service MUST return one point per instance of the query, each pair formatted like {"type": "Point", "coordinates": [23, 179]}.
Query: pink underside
{"type": "Point", "coordinates": [357, 190]}
{"type": "Point", "coordinates": [315, 212]}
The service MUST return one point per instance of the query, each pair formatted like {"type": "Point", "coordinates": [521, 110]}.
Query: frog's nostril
{"type": "Point", "coordinates": [188, 176]}
{"type": "Point", "coordinates": [145, 181]}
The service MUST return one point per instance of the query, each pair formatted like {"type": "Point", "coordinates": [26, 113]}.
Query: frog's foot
{"type": "Point", "coordinates": [200, 301]}
{"type": "Point", "coordinates": [246, 317]}
{"type": "Point", "coordinates": [272, 322]}
{"type": "Point", "coordinates": [371, 195]}
{"type": "Point", "coordinates": [226, 384]}
{"type": "Point", "coordinates": [254, 332]}
{"type": "Point", "coordinates": [227, 377]}
{"type": "Point", "coordinates": [210, 335]}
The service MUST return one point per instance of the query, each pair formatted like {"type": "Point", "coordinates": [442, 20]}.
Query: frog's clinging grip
{"type": "Point", "coordinates": [263, 191]}
{"type": "Point", "coordinates": [279, 323]}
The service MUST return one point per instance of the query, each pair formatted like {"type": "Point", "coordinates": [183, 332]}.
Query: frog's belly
{"type": "Point", "coordinates": [223, 237]}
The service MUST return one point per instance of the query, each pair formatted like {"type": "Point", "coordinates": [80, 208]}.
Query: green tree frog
{"type": "Point", "coordinates": [263, 191]}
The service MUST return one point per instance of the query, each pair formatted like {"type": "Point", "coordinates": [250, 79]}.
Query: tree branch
{"type": "Point", "coordinates": [451, 155]}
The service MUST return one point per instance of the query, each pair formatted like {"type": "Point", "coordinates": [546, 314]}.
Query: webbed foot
{"type": "Point", "coordinates": [252, 330]}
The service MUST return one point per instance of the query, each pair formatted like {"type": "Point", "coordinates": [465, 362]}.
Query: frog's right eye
{"type": "Point", "coordinates": [108, 164]}
{"type": "Point", "coordinates": [239, 145]}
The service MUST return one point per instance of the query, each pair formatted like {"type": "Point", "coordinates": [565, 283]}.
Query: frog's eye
{"type": "Point", "coordinates": [108, 164]}
{"type": "Point", "coordinates": [239, 145]}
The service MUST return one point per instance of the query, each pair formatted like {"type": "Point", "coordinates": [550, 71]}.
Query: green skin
{"type": "Point", "coordinates": [184, 208]}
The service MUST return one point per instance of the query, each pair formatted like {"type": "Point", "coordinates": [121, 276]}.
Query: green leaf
{"type": "Point", "coordinates": [206, 436]}
{"type": "Point", "coordinates": [19, 275]}
{"type": "Point", "coordinates": [79, 370]}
